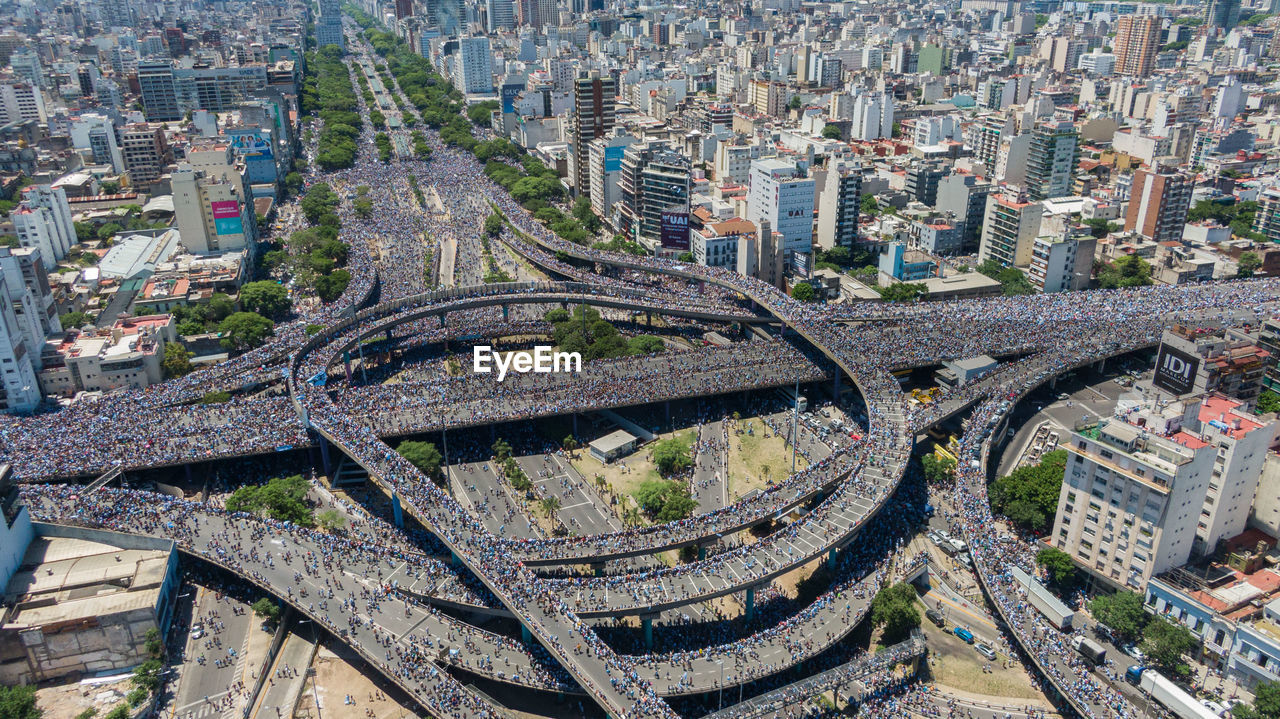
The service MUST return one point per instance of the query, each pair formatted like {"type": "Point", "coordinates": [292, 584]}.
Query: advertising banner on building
{"type": "Point", "coordinates": [510, 92]}
{"type": "Point", "coordinates": [675, 229]}
{"type": "Point", "coordinates": [1175, 370]}
{"type": "Point", "coordinates": [226, 217]}
{"type": "Point", "coordinates": [613, 158]}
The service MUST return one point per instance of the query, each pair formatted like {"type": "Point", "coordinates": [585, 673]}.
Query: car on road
{"type": "Point", "coordinates": [1133, 651]}
{"type": "Point", "coordinates": [935, 616]}
{"type": "Point", "coordinates": [197, 631]}
{"type": "Point", "coordinates": [1064, 395]}
{"type": "Point", "coordinates": [985, 651]}
{"type": "Point", "coordinates": [964, 634]}
{"type": "Point", "coordinates": [1214, 707]}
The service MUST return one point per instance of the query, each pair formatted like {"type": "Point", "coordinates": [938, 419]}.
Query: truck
{"type": "Point", "coordinates": [1172, 697]}
{"type": "Point", "coordinates": [1090, 650]}
{"type": "Point", "coordinates": [1058, 614]}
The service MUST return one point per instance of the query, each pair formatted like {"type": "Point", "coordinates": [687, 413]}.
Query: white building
{"type": "Point", "coordinates": [733, 162]}
{"type": "Point", "coordinates": [97, 133]}
{"type": "Point", "coordinates": [211, 215]}
{"type": "Point", "coordinates": [43, 220]}
{"type": "Point", "coordinates": [21, 101]}
{"type": "Point", "coordinates": [1098, 63]}
{"type": "Point", "coordinates": [19, 389]}
{"type": "Point", "coordinates": [1061, 264]}
{"type": "Point", "coordinates": [872, 116]}
{"type": "Point", "coordinates": [605, 162]}
{"type": "Point", "coordinates": [473, 66]}
{"type": "Point", "coordinates": [839, 204]}
{"type": "Point", "coordinates": [781, 194]}
{"type": "Point", "coordinates": [935, 130]}
{"type": "Point", "coordinates": [31, 297]}
{"type": "Point", "coordinates": [1130, 502]}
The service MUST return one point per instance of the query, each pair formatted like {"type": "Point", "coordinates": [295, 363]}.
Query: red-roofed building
{"type": "Point", "coordinates": [128, 355]}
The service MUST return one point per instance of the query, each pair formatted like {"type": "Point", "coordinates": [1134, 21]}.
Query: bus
{"type": "Point", "coordinates": [788, 394]}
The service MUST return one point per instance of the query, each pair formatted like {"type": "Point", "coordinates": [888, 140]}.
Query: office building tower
{"type": "Point", "coordinates": [19, 388]}
{"type": "Point", "coordinates": [1051, 159]}
{"type": "Point", "coordinates": [97, 134]}
{"type": "Point", "coordinates": [1223, 14]}
{"type": "Point", "coordinates": [447, 16]}
{"type": "Point", "coordinates": [404, 9]}
{"type": "Point", "coordinates": [988, 133]}
{"type": "Point", "coordinates": [43, 221]}
{"type": "Point", "coordinates": [500, 15]}
{"type": "Point", "coordinates": [473, 67]}
{"type": "Point", "coordinates": [872, 116]}
{"type": "Point", "coordinates": [1267, 219]}
{"type": "Point", "coordinates": [605, 164]}
{"type": "Point", "coordinates": [1158, 203]}
{"type": "Point", "coordinates": [210, 214]}
{"type": "Point", "coordinates": [593, 116]}
{"type": "Point", "coordinates": [1137, 41]}
{"type": "Point", "coordinates": [26, 65]}
{"type": "Point", "coordinates": [1009, 229]}
{"type": "Point", "coordinates": [655, 178]}
{"type": "Point", "coordinates": [329, 24]}
{"type": "Point", "coordinates": [146, 153]}
{"type": "Point", "coordinates": [159, 91]}
{"type": "Point", "coordinates": [839, 204]}
{"type": "Point", "coordinates": [781, 194]}
{"type": "Point", "coordinates": [1130, 502]}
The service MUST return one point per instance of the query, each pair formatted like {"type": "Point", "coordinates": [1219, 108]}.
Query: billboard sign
{"type": "Point", "coordinates": [224, 209]}
{"type": "Point", "coordinates": [1175, 370]}
{"type": "Point", "coordinates": [800, 263]}
{"type": "Point", "coordinates": [675, 229]}
{"type": "Point", "coordinates": [510, 92]}
{"type": "Point", "coordinates": [613, 158]}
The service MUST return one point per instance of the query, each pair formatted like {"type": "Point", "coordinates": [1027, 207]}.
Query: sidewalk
{"type": "Point", "coordinates": [288, 675]}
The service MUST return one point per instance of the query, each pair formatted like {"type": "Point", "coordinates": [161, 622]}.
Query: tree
{"type": "Point", "coordinates": [422, 455]}
{"type": "Point", "coordinates": [331, 520]}
{"type": "Point", "coordinates": [672, 455]}
{"type": "Point", "coordinates": [902, 292]}
{"type": "Point", "coordinates": [869, 205]}
{"type": "Point", "coordinates": [245, 330]}
{"type": "Point", "coordinates": [177, 360]}
{"type": "Point", "coordinates": [19, 702]}
{"type": "Point", "coordinates": [74, 320]}
{"type": "Point", "coordinates": [119, 711]}
{"type": "Point", "coordinates": [937, 471]}
{"type": "Point", "coordinates": [665, 500]}
{"type": "Point", "coordinates": [220, 306]}
{"type": "Point", "coordinates": [1268, 401]}
{"type": "Point", "coordinates": [795, 103]}
{"type": "Point", "coordinates": [894, 608]}
{"type": "Point", "coordinates": [147, 676]}
{"type": "Point", "coordinates": [1266, 703]}
{"type": "Point", "coordinates": [331, 286]}
{"type": "Point", "coordinates": [1165, 643]}
{"type": "Point", "coordinates": [831, 132]}
{"type": "Point", "coordinates": [501, 449]}
{"type": "Point", "coordinates": [1062, 571]}
{"type": "Point", "coordinates": [803, 291]}
{"type": "Point", "coordinates": [1028, 496]}
{"type": "Point", "coordinates": [493, 225]}
{"type": "Point", "coordinates": [550, 505]}
{"type": "Point", "coordinates": [109, 230]}
{"type": "Point", "coordinates": [266, 297]}
{"type": "Point", "coordinates": [1101, 228]}
{"type": "Point", "coordinates": [686, 257]}
{"type": "Point", "coordinates": [154, 644]}
{"type": "Point", "coordinates": [1127, 271]}
{"type": "Point", "coordinates": [1248, 264]}
{"type": "Point", "coordinates": [110, 187]}
{"type": "Point", "coordinates": [281, 498]}
{"type": "Point", "coordinates": [1122, 612]}
{"type": "Point", "coordinates": [293, 183]}
{"type": "Point", "coordinates": [268, 610]}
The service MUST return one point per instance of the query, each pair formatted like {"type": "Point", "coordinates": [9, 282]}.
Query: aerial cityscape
{"type": "Point", "coordinates": [562, 359]}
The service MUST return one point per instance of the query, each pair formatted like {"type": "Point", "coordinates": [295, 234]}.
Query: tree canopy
{"type": "Point", "coordinates": [282, 498]}
{"type": "Point", "coordinates": [245, 330]}
{"type": "Point", "coordinates": [266, 297]}
{"type": "Point", "coordinates": [665, 500]}
{"type": "Point", "coordinates": [894, 608]}
{"type": "Point", "coordinates": [1121, 612]}
{"type": "Point", "coordinates": [672, 455]}
{"type": "Point", "coordinates": [422, 455]}
{"type": "Point", "coordinates": [1062, 571]}
{"type": "Point", "coordinates": [1127, 271]}
{"type": "Point", "coordinates": [1029, 495]}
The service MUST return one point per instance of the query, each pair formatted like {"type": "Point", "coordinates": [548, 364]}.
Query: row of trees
{"type": "Point", "coordinates": [327, 93]}
{"type": "Point", "coordinates": [585, 332]}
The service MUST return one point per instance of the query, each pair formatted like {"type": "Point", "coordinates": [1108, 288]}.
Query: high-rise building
{"type": "Point", "coordinates": [781, 194]}
{"type": "Point", "coordinates": [1158, 203]}
{"type": "Point", "coordinates": [146, 152]}
{"type": "Point", "coordinates": [1130, 502]}
{"type": "Point", "coordinates": [19, 388]}
{"type": "Point", "coordinates": [159, 91]}
{"type": "Point", "coordinates": [1062, 263]}
{"type": "Point", "coordinates": [43, 221]}
{"type": "Point", "coordinates": [212, 216]}
{"type": "Point", "coordinates": [655, 178]}
{"type": "Point", "coordinates": [839, 204]}
{"type": "Point", "coordinates": [473, 69]}
{"type": "Point", "coordinates": [593, 115]}
{"type": "Point", "coordinates": [32, 298]}
{"type": "Point", "coordinates": [1223, 14]}
{"type": "Point", "coordinates": [963, 198]}
{"type": "Point", "coordinates": [987, 135]}
{"type": "Point", "coordinates": [1137, 41]}
{"type": "Point", "coordinates": [1051, 160]}
{"type": "Point", "coordinates": [21, 101]}
{"type": "Point", "coordinates": [329, 24]}
{"type": "Point", "coordinates": [1009, 230]}
{"type": "Point", "coordinates": [404, 9]}
{"type": "Point", "coordinates": [500, 15]}
{"type": "Point", "coordinates": [605, 164]}
{"type": "Point", "coordinates": [26, 65]}
{"type": "Point", "coordinates": [872, 116]}
{"type": "Point", "coordinates": [922, 181]}
{"type": "Point", "coordinates": [447, 16]}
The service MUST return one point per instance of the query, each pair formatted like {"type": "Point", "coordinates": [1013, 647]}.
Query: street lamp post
{"type": "Point", "coordinates": [721, 663]}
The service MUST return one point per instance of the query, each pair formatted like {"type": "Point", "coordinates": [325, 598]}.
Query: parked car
{"type": "Point", "coordinates": [197, 631]}
{"type": "Point", "coordinates": [935, 616]}
{"type": "Point", "coordinates": [1133, 651]}
{"type": "Point", "coordinates": [985, 651]}
{"type": "Point", "coordinates": [964, 634]}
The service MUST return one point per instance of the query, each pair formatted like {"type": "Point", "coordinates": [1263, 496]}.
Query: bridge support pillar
{"type": "Point", "coordinates": [187, 467]}
{"type": "Point", "coordinates": [506, 312]}
{"type": "Point", "coordinates": [702, 552]}
{"type": "Point", "coordinates": [493, 434]}
{"type": "Point", "coordinates": [667, 405]}
{"type": "Point", "coordinates": [648, 318]}
{"type": "Point", "coordinates": [442, 319]}
{"type": "Point", "coordinates": [647, 623]}
{"type": "Point", "coordinates": [324, 455]}
{"type": "Point", "coordinates": [702, 286]}
{"type": "Point", "coordinates": [782, 329]}
{"type": "Point", "coordinates": [525, 636]}
{"type": "Point", "coordinates": [1053, 383]}
{"type": "Point", "coordinates": [751, 604]}
{"type": "Point", "coordinates": [1102, 365]}
{"type": "Point", "coordinates": [397, 512]}
{"type": "Point", "coordinates": [455, 559]}
{"type": "Point", "coordinates": [836, 385]}
{"type": "Point", "coordinates": [575, 425]}
{"type": "Point", "coordinates": [346, 364]}
{"type": "Point", "coordinates": [388, 334]}
{"type": "Point", "coordinates": [831, 558]}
